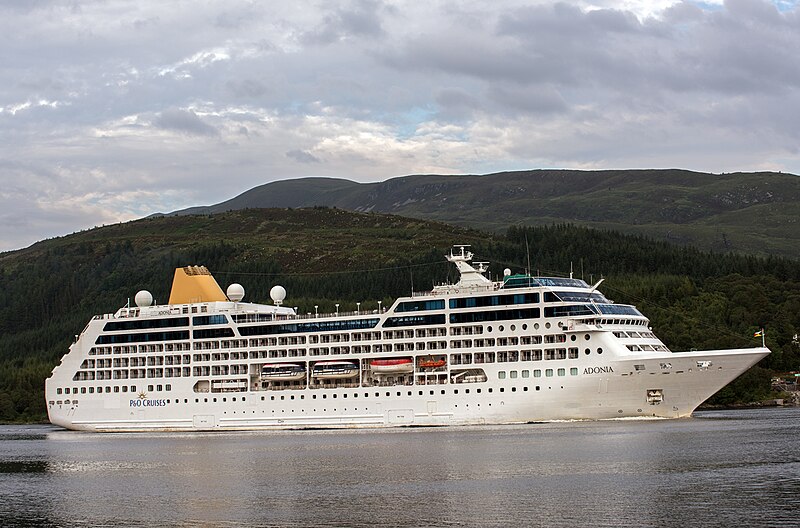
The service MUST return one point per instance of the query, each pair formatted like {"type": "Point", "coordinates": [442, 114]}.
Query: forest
{"type": "Point", "coordinates": [695, 299]}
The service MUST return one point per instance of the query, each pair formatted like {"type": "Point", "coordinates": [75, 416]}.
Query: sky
{"type": "Point", "coordinates": [112, 110]}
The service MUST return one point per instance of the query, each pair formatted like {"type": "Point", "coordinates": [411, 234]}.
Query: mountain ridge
{"type": "Point", "coordinates": [747, 212]}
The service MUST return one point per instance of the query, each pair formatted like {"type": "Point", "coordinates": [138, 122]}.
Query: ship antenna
{"type": "Point", "coordinates": [411, 272]}
{"type": "Point", "coordinates": [528, 253]}
{"type": "Point", "coordinates": [570, 269]}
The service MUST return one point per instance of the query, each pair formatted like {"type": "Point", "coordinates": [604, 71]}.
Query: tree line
{"type": "Point", "coordinates": [694, 298]}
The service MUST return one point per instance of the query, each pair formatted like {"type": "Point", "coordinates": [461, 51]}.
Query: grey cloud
{"type": "Point", "coordinates": [537, 99]}
{"type": "Point", "coordinates": [360, 19]}
{"type": "Point", "coordinates": [302, 156]}
{"type": "Point", "coordinates": [247, 88]}
{"type": "Point", "coordinates": [185, 121]}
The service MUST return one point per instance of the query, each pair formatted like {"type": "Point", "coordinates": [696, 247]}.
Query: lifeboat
{"type": "Point", "coordinates": [282, 371]}
{"type": "Point", "coordinates": [392, 366]}
{"type": "Point", "coordinates": [431, 363]}
{"type": "Point", "coordinates": [334, 370]}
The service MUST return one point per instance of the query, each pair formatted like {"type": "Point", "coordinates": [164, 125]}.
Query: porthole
{"type": "Point", "coordinates": [524, 326]}
{"type": "Point", "coordinates": [587, 351]}
{"type": "Point", "coordinates": [536, 326]}
{"type": "Point", "coordinates": [547, 325]}
{"type": "Point", "coordinates": [586, 336]}
{"type": "Point", "coordinates": [573, 337]}
{"type": "Point", "coordinates": [599, 350]}
{"type": "Point", "coordinates": [488, 328]}
{"type": "Point", "coordinates": [501, 328]}
{"type": "Point", "coordinates": [513, 327]}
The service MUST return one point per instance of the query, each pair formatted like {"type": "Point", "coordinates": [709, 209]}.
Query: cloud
{"type": "Point", "coordinates": [184, 121]}
{"type": "Point", "coordinates": [127, 109]}
{"type": "Point", "coordinates": [302, 156]}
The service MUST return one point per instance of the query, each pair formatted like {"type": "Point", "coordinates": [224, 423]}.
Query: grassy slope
{"type": "Point", "coordinates": [743, 212]}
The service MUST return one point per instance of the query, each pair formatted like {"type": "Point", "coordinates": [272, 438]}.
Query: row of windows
{"type": "Point", "coordinates": [537, 373]}
{"type": "Point", "coordinates": [289, 340]}
{"type": "Point", "coordinates": [137, 361]}
{"type": "Point", "coordinates": [209, 320]}
{"type": "Point", "coordinates": [647, 348]}
{"type": "Point", "coordinates": [116, 374]}
{"type": "Point", "coordinates": [314, 326]}
{"type": "Point", "coordinates": [418, 306]}
{"type": "Point", "coordinates": [547, 354]}
{"type": "Point", "coordinates": [108, 389]}
{"type": "Point", "coordinates": [145, 324]}
{"type": "Point", "coordinates": [496, 315]}
{"type": "Point", "coordinates": [414, 320]}
{"type": "Point", "coordinates": [494, 300]}
{"type": "Point", "coordinates": [144, 337]}
{"type": "Point", "coordinates": [212, 333]}
{"type": "Point", "coordinates": [629, 333]}
{"type": "Point", "coordinates": [167, 387]}
{"type": "Point", "coordinates": [139, 349]}
{"type": "Point", "coordinates": [477, 358]}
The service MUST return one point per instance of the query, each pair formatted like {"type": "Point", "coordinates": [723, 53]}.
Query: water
{"type": "Point", "coordinates": [731, 468]}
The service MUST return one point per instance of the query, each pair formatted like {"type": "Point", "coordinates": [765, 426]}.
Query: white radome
{"type": "Point", "coordinates": [277, 294]}
{"type": "Point", "coordinates": [235, 292]}
{"type": "Point", "coordinates": [507, 272]}
{"type": "Point", "coordinates": [143, 298]}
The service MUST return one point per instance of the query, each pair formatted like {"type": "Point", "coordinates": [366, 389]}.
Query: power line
{"type": "Point", "coordinates": [319, 273]}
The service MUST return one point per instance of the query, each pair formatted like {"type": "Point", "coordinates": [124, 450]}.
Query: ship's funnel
{"type": "Point", "coordinates": [195, 284]}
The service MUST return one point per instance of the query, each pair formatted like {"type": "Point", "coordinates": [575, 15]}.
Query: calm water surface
{"type": "Point", "coordinates": [727, 468]}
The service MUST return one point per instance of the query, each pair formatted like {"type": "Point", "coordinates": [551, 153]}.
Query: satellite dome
{"type": "Point", "coordinates": [235, 292]}
{"type": "Point", "coordinates": [278, 294]}
{"type": "Point", "coordinates": [506, 272]}
{"type": "Point", "coordinates": [143, 298]}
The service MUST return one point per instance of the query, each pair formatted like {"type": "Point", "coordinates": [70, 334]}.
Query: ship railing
{"type": "Point", "coordinates": [340, 314]}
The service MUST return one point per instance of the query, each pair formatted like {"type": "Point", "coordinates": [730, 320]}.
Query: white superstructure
{"type": "Point", "coordinates": [519, 350]}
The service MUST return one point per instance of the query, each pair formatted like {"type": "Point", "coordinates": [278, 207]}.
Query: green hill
{"type": "Point", "coordinates": [323, 256]}
{"type": "Point", "coordinates": [743, 212]}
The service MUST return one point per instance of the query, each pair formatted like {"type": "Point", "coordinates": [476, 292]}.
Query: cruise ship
{"type": "Point", "coordinates": [523, 349]}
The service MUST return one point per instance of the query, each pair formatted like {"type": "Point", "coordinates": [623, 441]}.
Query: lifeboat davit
{"type": "Point", "coordinates": [334, 370]}
{"type": "Point", "coordinates": [392, 366]}
{"type": "Point", "coordinates": [282, 371]}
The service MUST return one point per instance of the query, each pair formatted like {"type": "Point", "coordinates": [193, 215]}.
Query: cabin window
{"type": "Point", "coordinates": [548, 373]}
{"type": "Point", "coordinates": [561, 372]}
{"type": "Point", "coordinates": [501, 374]}
{"type": "Point", "coordinates": [573, 371]}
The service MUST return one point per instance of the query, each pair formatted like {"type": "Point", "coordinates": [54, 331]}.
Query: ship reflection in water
{"type": "Point", "coordinates": [732, 468]}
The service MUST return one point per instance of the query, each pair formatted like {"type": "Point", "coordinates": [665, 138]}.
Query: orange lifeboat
{"type": "Point", "coordinates": [431, 363]}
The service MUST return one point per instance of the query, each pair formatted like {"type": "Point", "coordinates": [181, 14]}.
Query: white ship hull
{"type": "Point", "coordinates": [551, 366]}
{"type": "Point", "coordinates": [619, 393]}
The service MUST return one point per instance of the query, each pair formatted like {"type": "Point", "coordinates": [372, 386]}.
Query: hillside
{"type": "Point", "coordinates": [322, 256]}
{"type": "Point", "coordinates": [753, 213]}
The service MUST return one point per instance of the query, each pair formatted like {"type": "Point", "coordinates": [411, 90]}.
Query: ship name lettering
{"type": "Point", "coordinates": [147, 403]}
{"type": "Point", "coordinates": [598, 370]}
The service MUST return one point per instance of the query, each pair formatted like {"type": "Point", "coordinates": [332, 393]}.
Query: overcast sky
{"type": "Point", "coordinates": [112, 110]}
